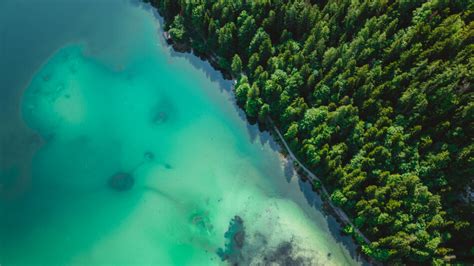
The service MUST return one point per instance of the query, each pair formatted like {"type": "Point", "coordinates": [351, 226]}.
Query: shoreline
{"type": "Point", "coordinates": [284, 151]}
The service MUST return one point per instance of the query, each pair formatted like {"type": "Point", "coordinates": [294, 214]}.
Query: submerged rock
{"type": "Point", "coordinates": [160, 118]}
{"type": "Point", "coordinates": [149, 156]}
{"type": "Point", "coordinates": [235, 236]}
{"type": "Point", "coordinates": [286, 253]}
{"type": "Point", "coordinates": [121, 181]}
{"type": "Point", "coordinates": [202, 221]}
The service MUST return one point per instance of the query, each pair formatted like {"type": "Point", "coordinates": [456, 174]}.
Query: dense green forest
{"type": "Point", "coordinates": [374, 96]}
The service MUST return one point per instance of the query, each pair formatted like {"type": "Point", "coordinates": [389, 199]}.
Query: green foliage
{"type": "Point", "coordinates": [338, 198]}
{"type": "Point", "coordinates": [225, 39]}
{"type": "Point", "coordinates": [253, 103]}
{"type": "Point", "coordinates": [241, 90]}
{"type": "Point", "coordinates": [236, 65]}
{"type": "Point", "coordinates": [374, 96]}
{"type": "Point", "coordinates": [264, 112]}
{"type": "Point", "coordinates": [177, 30]}
{"type": "Point", "coordinates": [348, 229]}
{"type": "Point", "coordinates": [316, 185]}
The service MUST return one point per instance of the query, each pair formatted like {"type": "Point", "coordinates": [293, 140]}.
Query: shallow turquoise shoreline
{"type": "Point", "coordinates": [95, 108]}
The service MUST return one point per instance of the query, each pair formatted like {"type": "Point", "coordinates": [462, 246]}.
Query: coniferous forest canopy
{"type": "Point", "coordinates": [374, 96]}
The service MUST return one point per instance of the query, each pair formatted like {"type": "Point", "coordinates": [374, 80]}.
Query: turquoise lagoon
{"type": "Point", "coordinates": [112, 97]}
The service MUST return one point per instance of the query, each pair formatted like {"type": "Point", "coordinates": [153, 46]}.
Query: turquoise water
{"type": "Point", "coordinates": [111, 100]}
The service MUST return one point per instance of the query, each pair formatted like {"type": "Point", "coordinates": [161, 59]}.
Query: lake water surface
{"type": "Point", "coordinates": [88, 90]}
